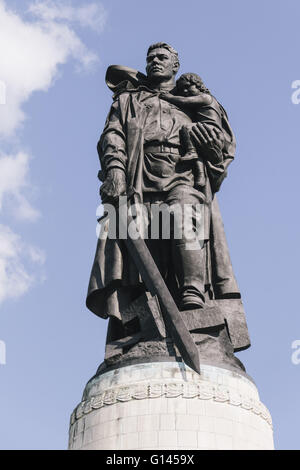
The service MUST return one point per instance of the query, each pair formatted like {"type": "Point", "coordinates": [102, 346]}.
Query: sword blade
{"type": "Point", "coordinates": [157, 286]}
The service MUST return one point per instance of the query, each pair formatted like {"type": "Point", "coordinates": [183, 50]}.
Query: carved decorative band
{"type": "Point", "coordinates": [142, 391]}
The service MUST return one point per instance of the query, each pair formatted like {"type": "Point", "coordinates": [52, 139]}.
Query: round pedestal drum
{"type": "Point", "coordinates": [164, 405]}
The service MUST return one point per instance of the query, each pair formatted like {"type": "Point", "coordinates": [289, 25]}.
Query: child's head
{"type": "Point", "coordinates": [190, 84]}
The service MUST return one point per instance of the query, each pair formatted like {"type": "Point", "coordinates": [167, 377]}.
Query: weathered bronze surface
{"type": "Point", "coordinates": [166, 143]}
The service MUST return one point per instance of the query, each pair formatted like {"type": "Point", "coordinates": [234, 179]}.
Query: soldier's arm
{"type": "Point", "coordinates": [113, 158]}
{"type": "Point", "coordinates": [112, 144]}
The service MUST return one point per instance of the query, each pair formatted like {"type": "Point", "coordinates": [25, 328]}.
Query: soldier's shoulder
{"type": "Point", "coordinates": [123, 95]}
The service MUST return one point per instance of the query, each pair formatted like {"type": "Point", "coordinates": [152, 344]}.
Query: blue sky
{"type": "Point", "coordinates": [53, 58]}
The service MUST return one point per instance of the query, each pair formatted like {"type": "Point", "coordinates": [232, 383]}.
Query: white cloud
{"type": "Point", "coordinates": [14, 182]}
{"type": "Point", "coordinates": [2, 92]}
{"type": "Point", "coordinates": [14, 277]}
{"type": "Point", "coordinates": [92, 15]}
{"type": "Point", "coordinates": [31, 52]}
{"type": "Point", "coordinates": [36, 254]}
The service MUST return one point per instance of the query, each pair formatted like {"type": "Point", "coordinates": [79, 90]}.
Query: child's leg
{"type": "Point", "coordinates": [199, 174]}
{"type": "Point", "coordinates": [190, 151]}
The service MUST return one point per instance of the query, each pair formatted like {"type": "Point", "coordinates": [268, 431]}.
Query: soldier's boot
{"type": "Point", "coordinates": [190, 270]}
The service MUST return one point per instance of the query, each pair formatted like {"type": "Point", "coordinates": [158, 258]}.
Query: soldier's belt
{"type": "Point", "coordinates": [161, 148]}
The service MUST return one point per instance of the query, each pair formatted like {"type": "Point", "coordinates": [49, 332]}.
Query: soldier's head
{"type": "Point", "coordinates": [162, 62]}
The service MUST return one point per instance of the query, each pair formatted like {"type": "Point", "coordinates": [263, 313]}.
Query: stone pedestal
{"type": "Point", "coordinates": [166, 405]}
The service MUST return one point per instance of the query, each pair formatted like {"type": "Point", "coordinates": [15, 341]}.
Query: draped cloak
{"type": "Point", "coordinates": [114, 277]}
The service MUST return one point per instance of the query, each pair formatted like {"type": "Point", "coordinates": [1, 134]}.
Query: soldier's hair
{"type": "Point", "coordinates": [164, 45]}
{"type": "Point", "coordinates": [192, 79]}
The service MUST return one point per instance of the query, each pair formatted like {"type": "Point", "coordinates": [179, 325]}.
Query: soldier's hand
{"type": "Point", "coordinates": [209, 140]}
{"type": "Point", "coordinates": [114, 186]}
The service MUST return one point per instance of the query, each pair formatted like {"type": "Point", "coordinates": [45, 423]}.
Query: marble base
{"type": "Point", "coordinates": [166, 405]}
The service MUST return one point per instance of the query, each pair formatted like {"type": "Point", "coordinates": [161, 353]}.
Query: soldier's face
{"type": "Point", "coordinates": [160, 64]}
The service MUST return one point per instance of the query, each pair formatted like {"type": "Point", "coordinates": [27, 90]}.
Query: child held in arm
{"type": "Point", "coordinates": [194, 97]}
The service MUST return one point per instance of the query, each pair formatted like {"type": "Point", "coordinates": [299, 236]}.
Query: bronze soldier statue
{"type": "Point", "coordinates": [150, 133]}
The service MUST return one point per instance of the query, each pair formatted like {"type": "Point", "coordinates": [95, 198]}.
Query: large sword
{"type": "Point", "coordinates": [157, 286]}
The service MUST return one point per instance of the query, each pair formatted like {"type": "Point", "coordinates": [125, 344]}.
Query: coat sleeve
{"type": "Point", "coordinates": [112, 144]}
{"type": "Point", "coordinates": [218, 170]}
